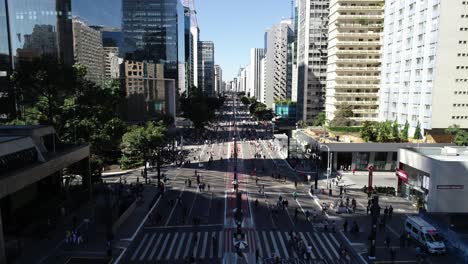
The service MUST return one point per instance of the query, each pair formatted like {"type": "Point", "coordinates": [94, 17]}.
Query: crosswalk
{"type": "Point", "coordinates": [325, 246]}
{"type": "Point", "coordinates": [211, 245]}
{"type": "Point", "coordinates": [163, 246]}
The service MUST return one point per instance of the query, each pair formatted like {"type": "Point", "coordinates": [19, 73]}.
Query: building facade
{"type": "Point", "coordinates": [276, 71]}
{"type": "Point", "coordinates": [354, 49]}
{"type": "Point", "coordinates": [206, 73]}
{"type": "Point", "coordinates": [88, 50]}
{"type": "Point", "coordinates": [218, 79]}
{"type": "Point", "coordinates": [425, 57]}
{"type": "Point", "coordinates": [153, 30]}
{"type": "Point", "coordinates": [30, 29]}
{"type": "Point", "coordinates": [312, 57]}
{"type": "Point", "coordinates": [256, 56]}
{"type": "Point", "coordinates": [112, 63]}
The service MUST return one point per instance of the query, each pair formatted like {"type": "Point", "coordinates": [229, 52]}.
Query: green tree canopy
{"type": "Point", "coordinates": [343, 116]}
{"type": "Point", "coordinates": [417, 132]}
{"type": "Point", "coordinates": [405, 131]}
{"type": "Point", "coordinates": [459, 136]}
{"type": "Point", "coordinates": [319, 119]}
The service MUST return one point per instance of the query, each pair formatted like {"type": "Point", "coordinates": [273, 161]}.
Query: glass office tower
{"type": "Point", "coordinates": [153, 31]}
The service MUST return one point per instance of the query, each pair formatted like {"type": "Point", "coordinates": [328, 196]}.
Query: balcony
{"type": "Point", "coordinates": [372, 103]}
{"type": "Point", "coordinates": [360, 52]}
{"type": "Point", "coordinates": [357, 78]}
{"type": "Point", "coordinates": [358, 26]}
{"type": "Point", "coordinates": [354, 69]}
{"type": "Point", "coordinates": [360, 8]}
{"type": "Point", "coordinates": [359, 17]}
{"type": "Point", "coordinates": [356, 86]}
{"type": "Point", "coordinates": [360, 60]}
{"type": "Point", "coordinates": [343, 43]}
{"type": "Point", "coordinates": [365, 111]}
{"type": "Point", "coordinates": [359, 35]}
{"type": "Point", "coordinates": [369, 95]}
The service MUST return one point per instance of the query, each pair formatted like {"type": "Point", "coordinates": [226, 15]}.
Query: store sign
{"type": "Point", "coordinates": [450, 187]}
{"type": "Point", "coordinates": [425, 182]}
{"type": "Point", "coordinates": [402, 175]}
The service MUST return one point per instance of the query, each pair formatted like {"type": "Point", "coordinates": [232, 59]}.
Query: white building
{"type": "Point", "coordinates": [256, 56]}
{"type": "Point", "coordinates": [353, 71]}
{"type": "Point", "coordinates": [218, 78]}
{"type": "Point", "coordinates": [262, 80]}
{"type": "Point", "coordinates": [425, 63]}
{"type": "Point", "coordinates": [112, 63]}
{"type": "Point", "coordinates": [276, 71]}
{"type": "Point", "coordinates": [311, 58]}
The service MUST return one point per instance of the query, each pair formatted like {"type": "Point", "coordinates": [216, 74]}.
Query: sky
{"type": "Point", "coordinates": [235, 26]}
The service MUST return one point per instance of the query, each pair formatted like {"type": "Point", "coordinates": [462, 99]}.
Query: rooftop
{"type": "Point", "coordinates": [447, 153]}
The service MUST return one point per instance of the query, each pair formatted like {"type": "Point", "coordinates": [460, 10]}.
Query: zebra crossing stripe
{"type": "Point", "coordinates": [187, 246]}
{"type": "Point", "coordinates": [282, 244]}
{"type": "Point", "coordinates": [260, 250]}
{"type": "Point", "coordinates": [220, 244]}
{"type": "Point", "coordinates": [155, 246]}
{"type": "Point", "coordinates": [163, 246]}
{"type": "Point", "coordinates": [331, 246]}
{"type": "Point", "coordinates": [139, 247]}
{"type": "Point", "coordinates": [172, 246]}
{"type": "Point", "coordinates": [274, 243]}
{"type": "Point", "coordinates": [334, 240]}
{"type": "Point", "coordinates": [180, 246]}
{"type": "Point", "coordinates": [265, 241]}
{"type": "Point", "coordinates": [147, 247]}
{"type": "Point", "coordinates": [293, 251]}
{"type": "Point", "coordinates": [314, 245]}
{"type": "Point", "coordinates": [195, 246]}
{"type": "Point", "coordinates": [307, 243]}
{"type": "Point", "coordinates": [204, 245]}
{"type": "Point", "coordinates": [212, 248]}
{"type": "Point", "coordinates": [323, 246]}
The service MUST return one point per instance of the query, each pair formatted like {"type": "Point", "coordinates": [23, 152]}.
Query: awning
{"type": "Point", "coordinates": [402, 175]}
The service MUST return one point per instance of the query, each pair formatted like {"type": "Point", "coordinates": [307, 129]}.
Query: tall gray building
{"type": "Point", "coordinates": [206, 71]}
{"type": "Point", "coordinates": [88, 50]}
{"type": "Point", "coordinates": [311, 57]}
{"type": "Point", "coordinates": [276, 68]}
{"type": "Point", "coordinates": [218, 79]}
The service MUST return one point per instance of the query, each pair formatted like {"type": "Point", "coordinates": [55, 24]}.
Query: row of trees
{"type": "Point", "coordinates": [260, 111]}
{"type": "Point", "coordinates": [199, 107]}
{"type": "Point", "coordinates": [387, 131]}
{"type": "Point", "coordinates": [459, 136]}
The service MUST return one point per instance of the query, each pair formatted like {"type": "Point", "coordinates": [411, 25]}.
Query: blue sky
{"type": "Point", "coordinates": [234, 26]}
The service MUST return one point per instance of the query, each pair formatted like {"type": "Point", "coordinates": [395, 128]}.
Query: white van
{"type": "Point", "coordinates": [425, 234]}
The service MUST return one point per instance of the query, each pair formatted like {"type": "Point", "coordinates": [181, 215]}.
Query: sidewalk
{"type": "Point", "coordinates": [55, 250]}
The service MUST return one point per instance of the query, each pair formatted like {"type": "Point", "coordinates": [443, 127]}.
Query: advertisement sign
{"type": "Point", "coordinates": [402, 175]}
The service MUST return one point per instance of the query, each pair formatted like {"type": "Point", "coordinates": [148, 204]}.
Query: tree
{"type": "Point", "coordinates": [368, 132]}
{"type": "Point", "coordinates": [404, 132]}
{"type": "Point", "coordinates": [200, 108]}
{"type": "Point", "coordinates": [417, 132]}
{"type": "Point", "coordinates": [142, 143]}
{"type": "Point", "coordinates": [384, 131]}
{"type": "Point", "coordinates": [319, 119]}
{"type": "Point", "coordinates": [395, 131]}
{"type": "Point", "coordinates": [459, 136]}
{"type": "Point", "coordinates": [342, 116]}
{"type": "Point", "coordinates": [245, 100]}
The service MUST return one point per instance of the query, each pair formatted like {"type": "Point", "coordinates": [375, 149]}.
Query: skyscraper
{"type": "Point", "coordinates": [218, 79]}
{"type": "Point", "coordinates": [425, 63]}
{"type": "Point", "coordinates": [88, 50]}
{"type": "Point", "coordinates": [206, 66]}
{"type": "Point", "coordinates": [353, 72]}
{"type": "Point", "coordinates": [153, 31]}
{"type": "Point", "coordinates": [256, 56]}
{"type": "Point", "coordinates": [30, 29]}
{"type": "Point", "coordinates": [311, 58]}
{"type": "Point", "coordinates": [276, 71]}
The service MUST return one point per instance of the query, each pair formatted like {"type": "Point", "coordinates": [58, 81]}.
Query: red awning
{"type": "Point", "coordinates": [402, 175]}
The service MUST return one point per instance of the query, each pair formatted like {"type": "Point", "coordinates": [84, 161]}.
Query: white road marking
{"type": "Point", "coordinates": [147, 247]}
{"type": "Point", "coordinates": [195, 247]}
{"type": "Point", "coordinates": [156, 246]}
{"type": "Point", "coordinates": [259, 247]}
{"type": "Point", "coordinates": [307, 243]}
{"type": "Point", "coordinates": [163, 247]}
{"type": "Point", "coordinates": [323, 246]}
{"type": "Point", "coordinates": [314, 245]}
{"type": "Point", "coordinates": [274, 243]}
{"type": "Point", "coordinates": [282, 244]}
{"type": "Point", "coordinates": [187, 245]}
{"type": "Point", "coordinates": [265, 241]}
{"type": "Point", "coordinates": [330, 244]}
{"type": "Point", "coordinates": [172, 246]}
{"type": "Point", "coordinates": [179, 247]}
{"type": "Point", "coordinates": [139, 247]}
{"type": "Point", "coordinates": [204, 245]}
{"type": "Point", "coordinates": [220, 243]}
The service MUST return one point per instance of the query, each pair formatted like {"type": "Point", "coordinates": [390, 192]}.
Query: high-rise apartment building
{"type": "Point", "coordinates": [218, 79]}
{"type": "Point", "coordinates": [354, 49]}
{"type": "Point", "coordinates": [276, 71]}
{"type": "Point", "coordinates": [425, 64]}
{"type": "Point", "coordinates": [153, 30]}
{"type": "Point", "coordinates": [311, 58]}
{"type": "Point", "coordinates": [189, 59]}
{"type": "Point", "coordinates": [262, 80]}
{"type": "Point", "coordinates": [88, 50]}
{"type": "Point", "coordinates": [256, 56]}
{"type": "Point", "coordinates": [30, 29]}
{"type": "Point", "coordinates": [112, 63]}
{"type": "Point", "coordinates": [206, 73]}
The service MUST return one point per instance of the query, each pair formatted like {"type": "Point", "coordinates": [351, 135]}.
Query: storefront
{"type": "Point", "coordinates": [434, 177]}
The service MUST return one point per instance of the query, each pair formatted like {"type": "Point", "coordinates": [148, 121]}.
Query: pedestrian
{"type": "Point", "coordinates": [386, 211]}
{"type": "Point", "coordinates": [354, 170]}
{"type": "Point", "coordinates": [392, 255]}
{"type": "Point", "coordinates": [257, 255]}
{"type": "Point", "coordinates": [209, 187]}
{"type": "Point", "coordinates": [387, 240]}
{"type": "Point", "coordinates": [330, 193]}
{"type": "Point", "coordinates": [296, 212]}
{"type": "Point", "coordinates": [295, 184]}
{"type": "Point", "coordinates": [345, 226]}
{"type": "Point", "coordinates": [390, 212]}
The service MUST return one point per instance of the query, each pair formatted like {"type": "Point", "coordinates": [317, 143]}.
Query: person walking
{"type": "Point", "coordinates": [345, 226]}
{"type": "Point", "coordinates": [387, 240]}
{"type": "Point", "coordinates": [390, 212]}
